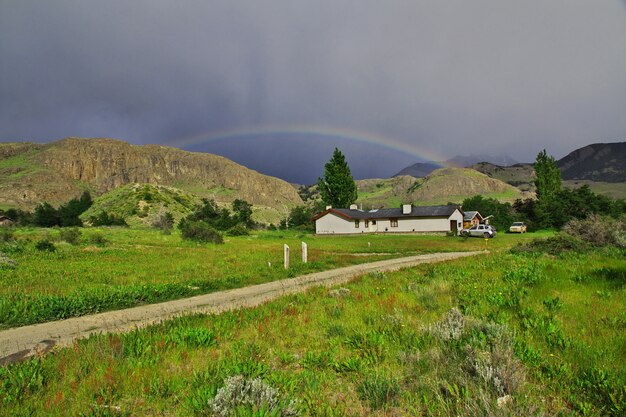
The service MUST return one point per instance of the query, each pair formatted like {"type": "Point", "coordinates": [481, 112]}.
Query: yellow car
{"type": "Point", "coordinates": [517, 227]}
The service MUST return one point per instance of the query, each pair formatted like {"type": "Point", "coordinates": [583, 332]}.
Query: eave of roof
{"type": "Point", "coordinates": [391, 213]}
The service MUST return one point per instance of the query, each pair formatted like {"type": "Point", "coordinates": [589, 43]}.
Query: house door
{"type": "Point", "coordinates": [453, 227]}
{"type": "Point", "coordinates": [373, 226]}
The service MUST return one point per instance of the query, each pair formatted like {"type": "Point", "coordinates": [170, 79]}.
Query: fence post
{"type": "Point", "coordinates": [286, 249]}
{"type": "Point", "coordinates": [305, 250]}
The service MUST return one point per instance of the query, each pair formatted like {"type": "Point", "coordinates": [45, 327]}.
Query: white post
{"type": "Point", "coordinates": [286, 248]}
{"type": "Point", "coordinates": [305, 252]}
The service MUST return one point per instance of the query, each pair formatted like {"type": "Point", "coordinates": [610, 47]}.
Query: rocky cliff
{"type": "Point", "coordinates": [55, 172]}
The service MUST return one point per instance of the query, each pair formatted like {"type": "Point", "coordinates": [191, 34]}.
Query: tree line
{"type": "Point", "coordinates": [554, 206]}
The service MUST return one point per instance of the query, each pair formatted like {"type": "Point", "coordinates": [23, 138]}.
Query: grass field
{"type": "Point", "coordinates": [501, 334]}
{"type": "Point", "coordinates": [139, 266]}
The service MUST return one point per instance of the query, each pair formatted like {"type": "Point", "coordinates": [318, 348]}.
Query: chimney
{"type": "Point", "coordinates": [353, 206]}
{"type": "Point", "coordinates": [407, 208]}
{"type": "Point", "coordinates": [329, 207]}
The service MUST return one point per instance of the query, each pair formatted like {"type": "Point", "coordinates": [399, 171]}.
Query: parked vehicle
{"type": "Point", "coordinates": [518, 227]}
{"type": "Point", "coordinates": [480, 230]}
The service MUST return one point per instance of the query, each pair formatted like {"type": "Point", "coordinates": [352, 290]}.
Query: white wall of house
{"type": "Point", "coordinates": [332, 223]}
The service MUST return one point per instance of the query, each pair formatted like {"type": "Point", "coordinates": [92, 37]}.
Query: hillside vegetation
{"type": "Point", "coordinates": [59, 171]}
{"type": "Point", "coordinates": [442, 186]}
{"type": "Point", "coordinates": [141, 204]}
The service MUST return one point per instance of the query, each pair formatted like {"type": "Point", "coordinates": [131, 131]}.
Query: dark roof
{"type": "Point", "coordinates": [469, 215]}
{"type": "Point", "coordinates": [391, 213]}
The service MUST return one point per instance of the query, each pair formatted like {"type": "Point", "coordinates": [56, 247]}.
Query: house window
{"type": "Point", "coordinates": [356, 223]}
{"type": "Point", "coordinates": [367, 223]}
{"type": "Point", "coordinates": [394, 222]}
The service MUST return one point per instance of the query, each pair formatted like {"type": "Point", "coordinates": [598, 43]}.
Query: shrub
{"type": "Point", "coordinates": [339, 292]}
{"type": "Point", "coordinates": [6, 235]}
{"type": "Point", "coordinates": [45, 245]}
{"type": "Point", "coordinates": [498, 367]}
{"type": "Point", "coordinates": [98, 239]}
{"type": "Point", "coordinates": [239, 394]}
{"type": "Point", "coordinates": [105, 219]}
{"type": "Point", "coordinates": [71, 235]}
{"type": "Point", "coordinates": [553, 245]}
{"type": "Point", "coordinates": [451, 327]}
{"type": "Point", "coordinates": [598, 230]}
{"type": "Point", "coordinates": [200, 232]}
{"type": "Point", "coordinates": [6, 261]}
{"type": "Point", "coordinates": [238, 230]}
{"type": "Point", "coordinates": [164, 221]}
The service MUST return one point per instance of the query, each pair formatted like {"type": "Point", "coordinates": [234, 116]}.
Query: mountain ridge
{"type": "Point", "coordinates": [57, 171]}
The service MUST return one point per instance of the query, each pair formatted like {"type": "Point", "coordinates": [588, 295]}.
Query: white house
{"type": "Point", "coordinates": [408, 219]}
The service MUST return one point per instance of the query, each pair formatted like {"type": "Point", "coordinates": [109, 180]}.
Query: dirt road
{"type": "Point", "coordinates": [22, 342]}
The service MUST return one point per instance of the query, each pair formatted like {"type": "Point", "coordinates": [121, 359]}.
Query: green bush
{"type": "Point", "coordinates": [6, 235]}
{"type": "Point", "coordinates": [71, 235]}
{"type": "Point", "coordinates": [164, 221]}
{"type": "Point", "coordinates": [45, 245]}
{"type": "Point", "coordinates": [105, 219]}
{"type": "Point", "coordinates": [98, 239]}
{"type": "Point", "coordinates": [553, 245]}
{"type": "Point", "coordinates": [199, 231]}
{"type": "Point", "coordinates": [238, 230]}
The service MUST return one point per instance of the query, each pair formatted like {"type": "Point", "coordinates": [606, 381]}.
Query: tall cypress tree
{"type": "Point", "coordinates": [337, 187]}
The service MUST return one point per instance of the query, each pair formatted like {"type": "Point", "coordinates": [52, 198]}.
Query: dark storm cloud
{"type": "Point", "coordinates": [448, 77]}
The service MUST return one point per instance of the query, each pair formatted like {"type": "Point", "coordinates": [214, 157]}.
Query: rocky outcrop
{"type": "Point", "coordinates": [60, 170]}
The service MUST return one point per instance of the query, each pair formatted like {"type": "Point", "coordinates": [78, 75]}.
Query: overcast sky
{"type": "Point", "coordinates": [431, 78]}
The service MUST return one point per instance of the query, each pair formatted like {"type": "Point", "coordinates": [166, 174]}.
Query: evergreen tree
{"type": "Point", "coordinates": [242, 211]}
{"type": "Point", "coordinates": [548, 210]}
{"type": "Point", "coordinates": [548, 180]}
{"type": "Point", "coordinates": [46, 216]}
{"type": "Point", "coordinates": [337, 187]}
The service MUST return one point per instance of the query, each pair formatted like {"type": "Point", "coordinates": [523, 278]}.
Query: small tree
{"type": "Point", "coordinates": [46, 215]}
{"type": "Point", "coordinates": [337, 187]}
{"type": "Point", "coordinates": [164, 221]}
{"type": "Point", "coordinates": [300, 217]}
{"type": "Point", "coordinates": [242, 211]}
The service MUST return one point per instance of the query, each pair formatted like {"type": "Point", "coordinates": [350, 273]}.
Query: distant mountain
{"type": "Point", "coordinates": [597, 162]}
{"type": "Point", "coordinates": [31, 173]}
{"type": "Point", "coordinates": [468, 160]}
{"type": "Point", "coordinates": [420, 169]}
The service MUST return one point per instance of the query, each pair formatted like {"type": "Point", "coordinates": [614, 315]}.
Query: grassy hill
{"type": "Point", "coordinates": [440, 187]}
{"type": "Point", "coordinates": [141, 204]}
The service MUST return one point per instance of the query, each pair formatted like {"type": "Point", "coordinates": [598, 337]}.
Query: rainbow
{"type": "Point", "coordinates": [303, 130]}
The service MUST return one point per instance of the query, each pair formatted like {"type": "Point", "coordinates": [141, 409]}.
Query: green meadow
{"type": "Point", "coordinates": [499, 334]}
{"type": "Point", "coordinates": [113, 268]}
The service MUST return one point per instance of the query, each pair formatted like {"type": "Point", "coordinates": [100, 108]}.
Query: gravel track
{"type": "Point", "coordinates": [23, 342]}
